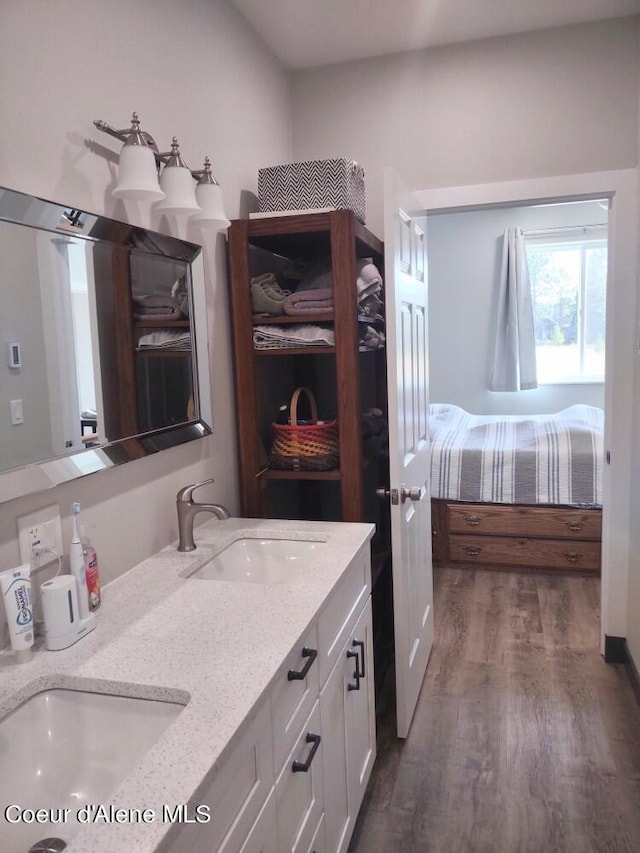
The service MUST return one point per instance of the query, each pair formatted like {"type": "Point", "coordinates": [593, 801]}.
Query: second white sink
{"type": "Point", "coordinates": [62, 750]}
{"type": "Point", "coordinates": [265, 561]}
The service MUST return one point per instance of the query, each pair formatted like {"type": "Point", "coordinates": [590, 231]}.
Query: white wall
{"type": "Point", "coordinates": [193, 69]}
{"type": "Point", "coordinates": [465, 251]}
{"type": "Point", "coordinates": [546, 103]}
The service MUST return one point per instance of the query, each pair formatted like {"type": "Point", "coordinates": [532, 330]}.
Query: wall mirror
{"type": "Point", "coordinates": [103, 343]}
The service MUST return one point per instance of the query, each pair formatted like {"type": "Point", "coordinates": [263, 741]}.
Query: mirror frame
{"type": "Point", "coordinates": [20, 209]}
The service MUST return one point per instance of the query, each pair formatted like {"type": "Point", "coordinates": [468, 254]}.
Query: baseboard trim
{"type": "Point", "coordinates": [615, 649]}
{"type": "Point", "coordinates": [634, 674]}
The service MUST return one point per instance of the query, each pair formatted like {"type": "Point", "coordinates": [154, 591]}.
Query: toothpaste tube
{"type": "Point", "coordinates": [16, 594]}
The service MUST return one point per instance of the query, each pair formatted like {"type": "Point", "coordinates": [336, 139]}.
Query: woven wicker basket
{"type": "Point", "coordinates": [311, 446]}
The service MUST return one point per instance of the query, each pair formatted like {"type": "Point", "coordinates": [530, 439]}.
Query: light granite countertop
{"type": "Point", "coordinates": [216, 646]}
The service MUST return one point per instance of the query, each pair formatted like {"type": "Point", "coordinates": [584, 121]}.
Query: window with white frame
{"type": "Point", "coordinates": [568, 277]}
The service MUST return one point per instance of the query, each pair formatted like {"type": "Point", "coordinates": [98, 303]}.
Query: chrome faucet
{"type": "Point", "coordinates": [187, 511]}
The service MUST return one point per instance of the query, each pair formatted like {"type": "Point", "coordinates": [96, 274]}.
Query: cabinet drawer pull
{"type": "Point", "coordinates": [471, 550]}
{"type": "Point", "coordinates": [300, 675]}
{"type": "Point", "coordinates": [359, 644]}
{"type": "Point", "coordinates": [573, 556]}
{"type": "Point", "coordinates": [303, 766]}
{"type": "Point", "coordinates": [575, 525]}
{"type": "Point", "coordinates": [356, 674]}
{"type": "Point", "coordinates": [472, 520]}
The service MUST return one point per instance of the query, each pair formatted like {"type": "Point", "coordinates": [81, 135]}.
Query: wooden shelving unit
{"type": "Point", "coordinates": [344, 378]}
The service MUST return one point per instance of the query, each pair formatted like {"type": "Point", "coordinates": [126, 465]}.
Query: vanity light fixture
{"type": "Point", "coordinates": [140, 162]}
{"type": "Point", "coordinates": [177, 184]}
{"type": "Point", "coordinates": [209, 197]}
{"type": "Point", "coordinates": [138, 179]}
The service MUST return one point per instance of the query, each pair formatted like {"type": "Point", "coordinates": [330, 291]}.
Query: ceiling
{"type": "Point", "coordinates": [308, 33]}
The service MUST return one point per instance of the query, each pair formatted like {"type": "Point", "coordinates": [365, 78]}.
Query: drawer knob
{"type": "Point", "coordinates": [472, 520]}
{"type": "Point", "coordinates": [575, 525]}
{"type": "Point", "coordinates": [572, 556]}
{"type": "Point", "coordinates": [303, 766]}
{"type": "Point", "coordinates": [471, 550]}
{"type": "Point", "coordinates": [300, 675]}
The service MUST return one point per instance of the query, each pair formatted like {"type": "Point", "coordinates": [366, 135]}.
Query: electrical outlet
{"type": "Point", "coordinates": [38, 534]}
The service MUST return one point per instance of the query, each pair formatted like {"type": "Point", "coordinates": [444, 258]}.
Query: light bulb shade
{"type": "Point", "coordinates": [210, 199]}
{"type": "Point", "coordinates": [138, 175]}
{"type": "Point", "coordinates": [180, 196]}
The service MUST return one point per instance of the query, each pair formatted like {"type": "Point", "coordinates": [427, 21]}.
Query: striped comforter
{"type": "Point", "coordinates": [532, 459]}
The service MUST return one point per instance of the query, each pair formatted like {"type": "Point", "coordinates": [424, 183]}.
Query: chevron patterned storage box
{"type": "Point", "coordinates": [315, 184]}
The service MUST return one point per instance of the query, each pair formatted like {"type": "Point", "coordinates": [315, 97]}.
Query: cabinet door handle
{"type": "Point", "coordinates": [572, 556]}
{"type": "Point", "coordinates": [471, 550]}
{"type": "Point", "coordinates": [303, 766]}
{"type": "Point", "coordinates": [359, 644]}
{"type": "Point", "coordinates": [356, 674]}
{"type": "Point", "coordinates": [472, 520]}
{"type": "Point", "coordinates": [574, 525]}
{"type": "Point", "coordinates": [300, 675]}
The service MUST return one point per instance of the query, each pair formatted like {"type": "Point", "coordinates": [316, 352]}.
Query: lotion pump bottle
{"type": "Point", "coordinates": [76, 562]}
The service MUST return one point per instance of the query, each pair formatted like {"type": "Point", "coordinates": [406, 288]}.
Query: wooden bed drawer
{"type": "Point", "coordinates": [537, 553]}
{"type": "Point", "coordinates": [554, 522]}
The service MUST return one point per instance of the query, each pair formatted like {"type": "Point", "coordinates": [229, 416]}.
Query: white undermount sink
{"type": "Point", "coordinates": [65, 749]}
{"type": "Point", "coordinates": [253, 560]}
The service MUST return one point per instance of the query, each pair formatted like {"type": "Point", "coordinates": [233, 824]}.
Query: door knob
{"type": "Point", "coordinates": [400, 495]}
{"type": "Point", "coordinates": [414, 494]}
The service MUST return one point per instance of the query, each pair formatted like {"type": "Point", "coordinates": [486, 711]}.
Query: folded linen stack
{"type": "Point", "coordinates": [315, 277]}
{"type": "Point", "coordinates": [297, 335]}
{"type": "Point", "coordinates": [165, 339]}
{"type": "Point", "coordinates": [309, 301]}
{"type": "Point", "coordinates": [161, 306]}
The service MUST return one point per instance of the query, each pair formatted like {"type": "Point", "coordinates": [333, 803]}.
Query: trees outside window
{"type": "Point", "coordinates": [568, 277]}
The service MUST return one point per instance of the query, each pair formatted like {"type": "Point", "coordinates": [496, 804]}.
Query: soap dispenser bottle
{"type": "Point", "coordinates": [77, 563]}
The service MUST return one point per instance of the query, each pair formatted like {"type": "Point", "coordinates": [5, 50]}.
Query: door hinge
{"type": "Point", "coordinates": [608, 457]}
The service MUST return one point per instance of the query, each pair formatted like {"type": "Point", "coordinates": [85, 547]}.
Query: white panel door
{"type": "Point", "coordinates": [408, 381]}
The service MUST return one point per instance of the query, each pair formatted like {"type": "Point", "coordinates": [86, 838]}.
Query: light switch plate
{"type": "Point", "coordinates": [37, 532]}
{"type": "Point", "coordinates": [17, 413]}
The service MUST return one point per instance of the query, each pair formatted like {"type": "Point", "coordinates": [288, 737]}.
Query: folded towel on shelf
{"type": "Point", "coordinates": [157, 311]}
{"type": "Point", "coordinates": [307, 301]}
{"type": "Point", "coordinates": [153, 300]}
{"type": "Point", "coordinates": [159, 316]}
{"type": "Point", "coordinates": [297, 335]}
{"type": "Point", "coordinates": [165, 339]}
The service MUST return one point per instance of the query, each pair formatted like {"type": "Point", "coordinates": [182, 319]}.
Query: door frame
{"type": "Point", "coordinates": [621, 187]}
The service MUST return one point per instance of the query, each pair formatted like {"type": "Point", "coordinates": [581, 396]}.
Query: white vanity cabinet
{"type": "Point", "coordinates": [347, 706]}
{"type": "Point", "coordinates": [296, 779]}
{"type": "Point", "coordinates": [236, 800]}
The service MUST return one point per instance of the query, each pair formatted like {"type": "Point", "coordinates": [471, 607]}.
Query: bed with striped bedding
{"type": "Point", "coordinates": [532, 459]}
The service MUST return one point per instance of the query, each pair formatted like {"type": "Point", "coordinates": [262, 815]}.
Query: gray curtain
{"type": "Point", "coordinates": [514, 360]}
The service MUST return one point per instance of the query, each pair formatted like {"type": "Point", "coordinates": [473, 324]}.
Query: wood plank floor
{"type": "Point", "coordinates": [523, 741]}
